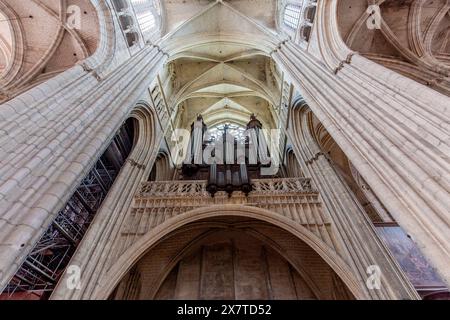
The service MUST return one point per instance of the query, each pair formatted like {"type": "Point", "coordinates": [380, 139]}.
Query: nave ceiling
{"type": "Point", "coordinates": [180, 11]}
{"type": "Point", "coordinates": [219, 68]}
{"type": "Point", "coordinates": [225, 88]}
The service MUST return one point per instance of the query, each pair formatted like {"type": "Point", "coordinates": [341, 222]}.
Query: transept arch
{"type": "Point", "coordinates": [225, 238]}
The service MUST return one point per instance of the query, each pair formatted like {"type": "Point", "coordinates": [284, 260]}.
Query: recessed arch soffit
{"type": "Point", "coordinates": [46, 39]}
{"type": "Point", "coordinates": [413, 38]}
{"type": "Point", "coordinates": [5, 42]}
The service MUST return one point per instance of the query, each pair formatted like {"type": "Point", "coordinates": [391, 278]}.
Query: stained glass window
{"type": "Point", "coordinates": [144, 14]}
{"type": "Point", "coordinates": [238, 132]}
{"type": "Point", "coordinates": [292, 14]}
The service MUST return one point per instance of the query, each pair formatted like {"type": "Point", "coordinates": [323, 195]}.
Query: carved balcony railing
{"type": "Point", "coordinates": [158, 202]}
{"type": "Point", "coordinates": [198, 188]}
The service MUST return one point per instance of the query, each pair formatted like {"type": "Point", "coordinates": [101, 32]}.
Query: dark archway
{"type": "Point", "coordinates": [231, 258]}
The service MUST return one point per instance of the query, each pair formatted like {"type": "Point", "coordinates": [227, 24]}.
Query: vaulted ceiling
{"type": "Point", "coordinates": [413, 38]}
{"type": "Point", "coordinates": [180, 11]}
{"type": "Point", "coordinates": [36, 36]}
{"type": "Point", "coordinates": [224, 88]}
{"type": "Point", "coordinates": [218, 75]}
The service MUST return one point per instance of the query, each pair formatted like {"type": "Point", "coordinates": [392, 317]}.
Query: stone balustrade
{"type": "Point", "coordinates": [198, 188]}
{"type": "Point", "coordinates": [158, 202]}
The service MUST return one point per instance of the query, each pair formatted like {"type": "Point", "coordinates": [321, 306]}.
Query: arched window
{"type": "Point", "coordinates": [157, 7]}
{"type": "Point", "coordinates": [132, 38]}
{"type": "Point", "coordinates": [120, 5]}
{"type": "Point", "coordinates": [292, 13]}
{"type": "Point", "coordinates": [310, 13]}
{"type": "Point", "coordinates": [146, 12]}
{"type": "Point", "coordinates": [236, 131]}
{"type": "Point", "coordinates": [305, 32]}
{"type": "Point", "coordinates": [126, 22]}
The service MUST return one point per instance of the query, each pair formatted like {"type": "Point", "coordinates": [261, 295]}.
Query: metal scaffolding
{"type": "Point", "coordinates": [44, 265]}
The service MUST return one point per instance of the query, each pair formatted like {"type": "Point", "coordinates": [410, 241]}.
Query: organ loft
{"type": "Point", "coordinates": [224, 150]}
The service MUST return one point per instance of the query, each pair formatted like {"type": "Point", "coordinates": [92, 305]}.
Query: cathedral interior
{"type": "Point", "coordinates": [224, 150]}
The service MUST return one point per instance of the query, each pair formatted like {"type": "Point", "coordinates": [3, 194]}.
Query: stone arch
{"type": "Point", "coordinates": [416, 48]}
{"type": "Point", "coordinates": [242, 234]}
{"type": "Point", "coordinates": [119, 196]}
{"type": "Point", "coordinates": [293, 168]}
{"type": "Point", "coordinates": [80, 33]}
{"type": "Point", "coordinates": [162, 169]}
{"type": "Point", "coordinates": [190, 90]}
{"type": "Point", "coordinates": [135, 252]}
{"type": "Point", "coordinates": [14, 47]}
{"type": "Point", "coordinates": [145, 137]}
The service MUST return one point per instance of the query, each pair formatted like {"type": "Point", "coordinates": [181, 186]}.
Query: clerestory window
{"type": "Point", "coordinates": [236, 131]}
{"type": "Point", "coordinates": [145, 11]}
{"type": "Point", "coordinates": [292, 14]}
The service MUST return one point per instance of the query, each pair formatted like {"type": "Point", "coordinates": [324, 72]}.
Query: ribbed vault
{"type": "Point", "coordinates": [217, 73]}
{"type": "Point", "coordinates": [224, 88]}
{"type": "Point", "coordinates": [180, 11]}
{"type": "Point", "coordinates": [412, 37]}
{"type": "Point", "coordinates": [43, 38]}
{"type": "Point", "coordinates": [6, 37]}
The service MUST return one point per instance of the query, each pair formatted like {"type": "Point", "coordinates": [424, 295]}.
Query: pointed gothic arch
{"type": "Point", "coordinates": [78, 33]}
{"type": "Point", "coordinates": [126, 261]}
{"type": "Point", "coordinates": [417, 47]}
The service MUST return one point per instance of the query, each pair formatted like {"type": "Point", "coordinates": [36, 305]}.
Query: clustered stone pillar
{"type": "Point", "coordinates": [361, 246]}
{"type": "Point", "coordinates": [396, 136]}
{"type": "Point", "coordinates": [51, 136]}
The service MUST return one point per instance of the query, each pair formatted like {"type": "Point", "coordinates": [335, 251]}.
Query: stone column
{"type": "Point", "coordinates": [361, 246]}
{"type": "Point", "coordinates": [393, 130]}
{"type": "Point", "coordinates": [50, 137]}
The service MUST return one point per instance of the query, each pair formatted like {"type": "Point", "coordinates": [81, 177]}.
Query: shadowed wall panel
{"type": "Point", "coordinates": [229, 265]}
